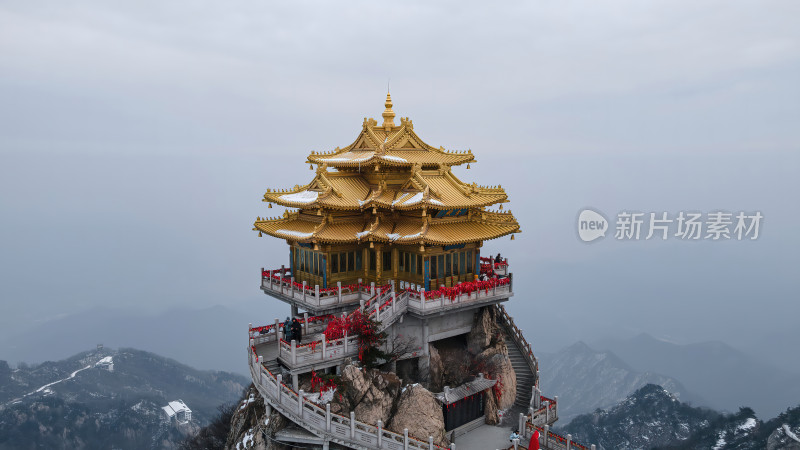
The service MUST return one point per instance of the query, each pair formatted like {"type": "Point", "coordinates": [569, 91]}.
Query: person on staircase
{"type": "Point", "coordinates": [287, 330]}
{"type": "Point", "coordinates": [297, 330]}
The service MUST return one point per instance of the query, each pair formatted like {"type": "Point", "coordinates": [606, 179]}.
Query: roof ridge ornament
{"type": "Point", "coordinates": [388, 114]}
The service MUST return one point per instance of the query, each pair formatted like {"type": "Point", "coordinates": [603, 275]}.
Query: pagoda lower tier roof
{"type": "Point", "coordinates": [437, 189]}
{"type": "Point", "coordinates": [297, 227]}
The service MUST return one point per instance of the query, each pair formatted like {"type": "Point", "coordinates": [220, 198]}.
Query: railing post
{"type": "Point", "coordinates": [547, 412]}
{"type": "Point", "coordinates": [430, 442]}
{"type": "Point", "coordinates": [294, 351]}
{"type": "Point", "coordinates": [304, 290]}
{"type": "Point", "coordinates": [279, 378]}
{"type": "Point", "coordinates": [594, 447]}
{"type": "Point", "coordinates": [345, 342]}
{"type": "Point", "coordinates": [305, 323]}
{"type": "Point", "coordinates": [380, 432]}
{"type": "Point", "coordinates": [300, 403]}
{"type": "Point", "coordinates": [521, 425]}
{"type": "Point", "coordinates": [569, 441]}
{"type": "Point", "coordinates": [378, 311]}
{"type": "Point", "coordinates": [352, 425]}
{"type": "Point", "coordinates": [405, 438]}
{"type": "Point", "coordinates": [453, 446]}
{"type": "Point", "coordinates": [555, 406]}
{"type": "Point", "coordinates": [546, 435]}
{"type": "Point", "coordinates": [291, 287]}
{"type": "Point", "coordinates": [328, 417]}
{"type": "Point", "coordinates": [278, 332]}
{"type": "Point", "coordinates": [324, 346]}
{"type": "Point", "coordinates": [516, 444]}
{"type": "Point", "coordinates": [372, 289]}
{"type": "Point", "coordinates": [316, 293]}
{"type": "Point", "coordinates": [339, 290]}
{"type": "Point", "coordinates": [280, 280]}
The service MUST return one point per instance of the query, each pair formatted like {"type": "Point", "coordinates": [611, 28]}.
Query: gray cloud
{"type": "Point", "coordinates": [136, 140]}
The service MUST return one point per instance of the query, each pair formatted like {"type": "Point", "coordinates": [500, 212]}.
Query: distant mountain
{"type": "Point", "coordinates": [82, 402]}
{"type": "Point", "coordinates": [652, 418]}
{"type": "Point", "coordinates": [585, 380]}
{"type": "Point", "coordinates": [213, 338]}
{"type": "Point", "coordinates": [725, 377]}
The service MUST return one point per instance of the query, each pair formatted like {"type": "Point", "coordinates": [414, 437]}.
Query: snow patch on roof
{"type": "Point", "coordinates": [393, 236]}
{"type": "Point", "coordinates": [361, 234]}
{"type": "Point", "coordinates": [394, 158]}
{"type": "Point", "coordinates": [300, 197]}
{"type": "Point", "coordinates": [415, 199]}
{"type": "Point", "coordinates": [435, 202]}
{"type": "Point", "coordinates": [295, 233]}
{"type": "Point", "coordinates": [348, 157]}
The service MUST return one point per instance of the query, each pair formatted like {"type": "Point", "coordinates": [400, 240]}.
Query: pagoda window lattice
{"type": "Point", "coordinates": [387, 261]}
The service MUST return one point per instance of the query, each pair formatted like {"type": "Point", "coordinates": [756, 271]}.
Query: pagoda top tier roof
{"type": "Point", "coordinates": [390, 145]}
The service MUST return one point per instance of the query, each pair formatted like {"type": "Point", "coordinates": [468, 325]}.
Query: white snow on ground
{"type": "Point", "coordinates": [300, 197]}
{"type": "Point", "coordinates": [789, 433]}
{"type": "Point", "coordinates": [72, 375]}
{"type": "Point", "coordinates": [720, 441]}
{"type": "Point", "coordinates": [747, 425]}
{"type": "Point", "coordinates": [45, 389]}
{"type": "Point", "coordinates": [394, 158]}
{"type": "Point", "coordinates": [246, 440]}
{"type": "Point", "coordinates": [106, 360]}
{"type": "Point", "coordinates": [295, 233]}
{"type": "Point", "coordinates": [321, 398]}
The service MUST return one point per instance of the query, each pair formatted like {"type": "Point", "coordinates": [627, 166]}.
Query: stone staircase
{"type": "Point", "coordinates": [522, 359]}
{"type": "Point", "coordinates": [525, 378]}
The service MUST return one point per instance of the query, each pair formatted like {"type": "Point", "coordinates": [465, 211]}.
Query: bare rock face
{"type": "Point", "coordinates": [249, 424]}
{"type": "Point", "coordinates": [371, 394]}
{"type": "Point", "coordinates": [419, 411]}
{"type": "Point", "coordinates": [496, 364]}
{"type": "Point", "coordinates": [490, 410]}
{"type": "Point", "coordinates": [436, 370]}
{"type": "Point", "coordinates": [483, 328]}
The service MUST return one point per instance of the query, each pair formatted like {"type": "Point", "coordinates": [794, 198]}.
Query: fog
{"type": "Point", "coordinates": [136, 141]}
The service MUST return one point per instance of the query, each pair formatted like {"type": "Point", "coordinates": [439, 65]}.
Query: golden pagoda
{"type": "Point", "coordinates": [387, 208]}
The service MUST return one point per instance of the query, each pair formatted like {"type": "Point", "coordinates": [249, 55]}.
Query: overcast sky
{"type": "Point", "coordinates": [137, 138]}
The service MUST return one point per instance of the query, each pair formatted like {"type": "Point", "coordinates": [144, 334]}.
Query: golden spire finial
{"type": "Point", "coordinates": [388, 114]}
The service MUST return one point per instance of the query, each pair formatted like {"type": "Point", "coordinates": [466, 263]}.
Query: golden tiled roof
{"type": "Point", "coordinates": [390, 145]}
{"type": "Point", "coordinates": [388, 186]}
{"type": "Point", "coordinates": [479, 226]}
{"type": "Point", "coordinates": [436, 189]}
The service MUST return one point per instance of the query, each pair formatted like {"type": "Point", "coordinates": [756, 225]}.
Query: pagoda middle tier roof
{"type": "Point", "coordinates": [393, 146]}
{"type": "Point", "coordinates": [436, 189]}
{"type": "Point", "coordinates": [303, 227]}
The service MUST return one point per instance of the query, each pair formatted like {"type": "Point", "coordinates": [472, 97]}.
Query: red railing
{"type": "Point", "coordinates": [555, 437]}
{"type": "Point", "coordinates": [467, 288]}
{"type": "Point", "coordinates": [280, 275]}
